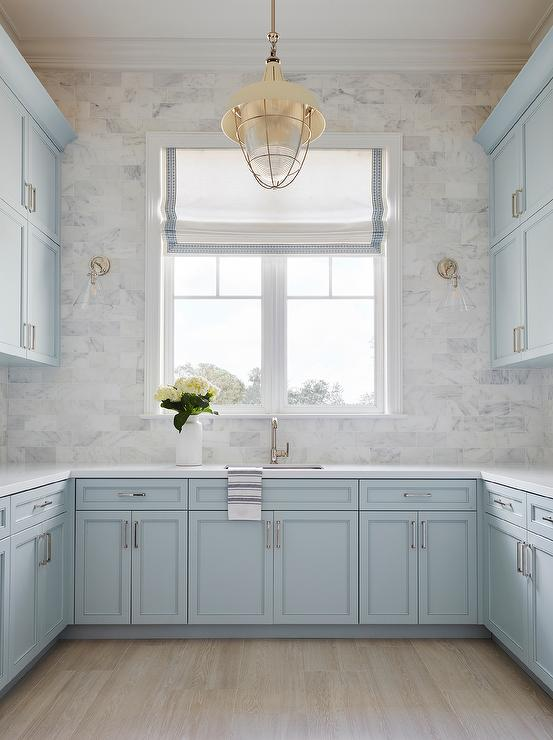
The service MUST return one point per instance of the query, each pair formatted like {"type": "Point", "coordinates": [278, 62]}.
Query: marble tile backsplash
{"type": "Point", "coordinates": [456, 409]}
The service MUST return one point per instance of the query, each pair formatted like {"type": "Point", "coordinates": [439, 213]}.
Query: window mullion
{"type": "Point", "coordinates": [279, 369]}
{"type": "Point", "coordinates": [168, 320]}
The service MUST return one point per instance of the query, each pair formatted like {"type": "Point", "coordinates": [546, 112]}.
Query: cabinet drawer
{"type": "Point", "coordinates": [286, 494]}
{"type": "Point", "coordinates": [134, 493]}
{"type": "Point", "coordinates": [417, 494]}
{"type": "Point", "coordinates": [38, 505]}
{"type": "Point", "coordinates": [4, 517]}
{"type": "Point", "coordinates": [505, 503]}
{"type": "Point", "coordinates": [540, 515]}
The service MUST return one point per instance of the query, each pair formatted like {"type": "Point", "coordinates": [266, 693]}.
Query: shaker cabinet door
{"type": "Point", "coordinates": [537, 140]}
{"type": "Point", "coordinates": [53, 578]}
{"type": "Point", "coordinates": [539, 294]}
{"type": "Point", "coordinates": [508, 291]}
{"type": "Point", "coordinates": [4, 610]}
{"type": "Point", "coordinates": [103, 567]}
{"type": "Point", "coordinates": [388, 584]}
{"type": "Point", "coordinates": [12, 150]}
{"type": "Point", "coordinates": [43, 174]}
{"type": "Point", "coordinates": [27, 556]}
{"type": "Point", "coordinates": [13, 234]}
{"type": "Point", "coordinates": [316, 562]}
{"type": "Point", "coordinates": [159, 567]}
{"type": "Point", "coordinates": [448, 591]}
{"type": "Point", "coordinates": [505, 186]}
{"type": "Point", "coordinates": [505, 586]}
{"type": "Point", "coordinates": [231, 569]}
{"type": "Point", "coordinates": [540, 583]}
{"type": "Point", "coordinates": [43, 298]}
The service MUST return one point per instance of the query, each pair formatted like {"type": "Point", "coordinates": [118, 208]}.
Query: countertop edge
{"type": "Point", "coordinates": [15, 479]}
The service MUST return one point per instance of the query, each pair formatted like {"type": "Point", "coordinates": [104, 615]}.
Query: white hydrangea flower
{"type": "Point", "coordinates": [167, 393]}
{"type": "Point", "coordinates": [213, 391]}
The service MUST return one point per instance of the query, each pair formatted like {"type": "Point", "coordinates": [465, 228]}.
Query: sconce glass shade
{"type": "Point", "coordinates": [91, 292]}
{"type": "Point", "coordinates": [274, 122]}
{"type": "Point", "coordinates": [455, 297]}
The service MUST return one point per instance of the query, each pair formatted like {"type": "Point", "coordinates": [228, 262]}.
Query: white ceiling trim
{"type": "Point", "coordinates": [8, 26]}
{"type": "Point", "coordinates": [298, 56]}
{"type": "Point", "coordinates": [542, 27]}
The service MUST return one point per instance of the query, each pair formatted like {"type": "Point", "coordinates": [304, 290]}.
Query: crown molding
{"type": "Point", "coordinates": [8, 26]}
{"type": "Point", "coordinates": [542, 27]}
{"type": "Point", "coordinates": [302, 56]}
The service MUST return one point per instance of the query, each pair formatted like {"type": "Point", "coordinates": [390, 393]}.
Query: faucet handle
{"type": "Point", "coordinates": [274, 422]}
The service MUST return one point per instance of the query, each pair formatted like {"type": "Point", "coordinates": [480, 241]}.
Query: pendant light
{"type": "Point", "coordinates": [274, 122]}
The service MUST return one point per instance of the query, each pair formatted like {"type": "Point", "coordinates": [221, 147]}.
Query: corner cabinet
{"type": "Point", "coordinates": [29, 214]}
{"type": "Point", "coordinates": [4, 610]}
{"type": "Point", "coordinates": [521, 221]}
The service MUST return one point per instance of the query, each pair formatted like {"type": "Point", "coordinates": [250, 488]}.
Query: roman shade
{"type": "Point", "coordinates": [213, 205]}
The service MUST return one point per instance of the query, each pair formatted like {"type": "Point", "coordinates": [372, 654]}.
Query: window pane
{"type": "Point", "coordinates": [221, 339]}
{"type": "Point", "coordinates": [331, 357]}
{"type": "Point", "coordinates": [307, 275]}
{"type": "Point", "coordinates": [352, 276]}
{"type": "Point", "coordinates": [240, 276]}
{"type": "Point", "coordinates": [195, 275]}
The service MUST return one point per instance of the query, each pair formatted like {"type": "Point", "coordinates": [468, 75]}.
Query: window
{"type": "Point", "coordinates": [302, 327]}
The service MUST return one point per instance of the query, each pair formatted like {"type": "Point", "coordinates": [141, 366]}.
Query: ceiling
{"type": "Point", "coordinates": [299, 19]}
{"type": "Point", "coordinates": [506, 24]}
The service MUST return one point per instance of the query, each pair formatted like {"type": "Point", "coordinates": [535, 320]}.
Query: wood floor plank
{"type": "Point", "coordinates": [276, 690]}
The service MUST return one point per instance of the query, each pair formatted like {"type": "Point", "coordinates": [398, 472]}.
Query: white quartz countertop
{"type": "Point", "coordinates": [15, 478]}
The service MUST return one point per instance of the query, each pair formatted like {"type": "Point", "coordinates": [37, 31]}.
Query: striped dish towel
{"type": "Point", "coordinates": [244, 493]}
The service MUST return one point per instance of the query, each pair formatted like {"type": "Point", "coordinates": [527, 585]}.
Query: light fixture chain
{"type": "Point", "coordinates": [273, 14]}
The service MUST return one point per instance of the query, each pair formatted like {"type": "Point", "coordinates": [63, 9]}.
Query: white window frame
{"type": "Point", "coordinates": [159, 284]}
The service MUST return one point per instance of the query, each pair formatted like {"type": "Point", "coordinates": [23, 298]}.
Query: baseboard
{"type": "Point", "coordinates": [283, 631]}
{"type": "Point", "coordinates": [523, 665]}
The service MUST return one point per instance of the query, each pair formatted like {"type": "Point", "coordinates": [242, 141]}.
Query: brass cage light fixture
{"type": "Point", "coordinates": [274, 122]}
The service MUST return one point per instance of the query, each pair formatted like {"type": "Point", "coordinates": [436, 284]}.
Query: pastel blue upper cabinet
{"type": "Point", "coordinates": [33, 133]}
{"type": "Point", "coordinates": [538, 242]}
{"type": "Point", "coordinates": [508, 291]}
{"type": "Point", "coordinates": [43, 179]}
{"type": "Point", "coordinates": [537, 142]}
{"type": "Point", "coordinates": [505, 186]}
{"type": "Point", "coordinates": [42, 324]}
{"type": "Point", "coordinates": [13, 288]}
{"type": "Point", "coordinates": [12, 149]}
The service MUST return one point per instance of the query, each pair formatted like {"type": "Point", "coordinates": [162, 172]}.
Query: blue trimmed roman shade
{"type": "Point", "coordinates": [212, 205]}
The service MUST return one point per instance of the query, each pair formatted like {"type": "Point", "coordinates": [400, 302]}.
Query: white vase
{"type": "Point", "coordinates": [190, 442]}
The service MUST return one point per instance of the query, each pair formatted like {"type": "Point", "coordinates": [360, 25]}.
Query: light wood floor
{"type": "Point", "coordinates": [287, 689]}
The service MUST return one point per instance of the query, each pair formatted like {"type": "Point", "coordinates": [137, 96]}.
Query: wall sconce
{"type": "Point", "coordinates": [456, 297]}
{"type": "Point", "coordinates": [91, 292]}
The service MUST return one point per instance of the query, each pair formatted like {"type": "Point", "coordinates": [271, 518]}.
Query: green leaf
{"type": "Point", "coordinates": [180, 420]}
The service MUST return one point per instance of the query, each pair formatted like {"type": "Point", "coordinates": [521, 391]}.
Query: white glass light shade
{"type": "Point", "coordinates": [455, 297]}
{"type": "Point", "coordinates": [274, 122]}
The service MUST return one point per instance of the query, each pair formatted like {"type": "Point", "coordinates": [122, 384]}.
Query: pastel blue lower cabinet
{"type": "Point", "coordinates": [448, 588]}
{"type": "Point", "coordinates": [4, 610]}
{"type": "Point", "coordinates": [315, 567]}
{"type": "Point", "coordinates": [27, 552]}
{"type": "Point", "coordinates": [540, 586]}
{"type": "Point", "coordinates": [388, 582]}
{"type": "Point", "coordinates": [159, 567]}
{"type": "Point", "coordinates": [231, 569]}
{"type": "Point", "coordinates": [53, 581]}
{"type": "Point", "coordinates": [103, 567]}
{"type": "Point", "coordinates": [505, 586]}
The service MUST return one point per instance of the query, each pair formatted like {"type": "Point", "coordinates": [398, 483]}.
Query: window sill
{"type": "Point", "coordinates": [245, 415]}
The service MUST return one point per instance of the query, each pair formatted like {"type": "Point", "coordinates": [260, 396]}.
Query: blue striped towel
{"type": "Point", "coordinates": [244, 493]}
